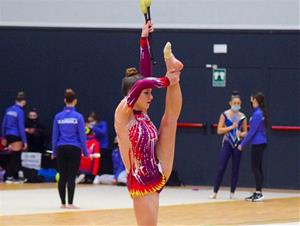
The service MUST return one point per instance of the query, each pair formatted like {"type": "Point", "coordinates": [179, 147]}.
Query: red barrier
{"type": "Point", "coordinates": [190, 125]}
{"type": "Point", "coordinates": [286, 128]}
{"type": "Point", "coordinates": [215, 125]}
{"type": "Point", "coordinates": [276, 128]}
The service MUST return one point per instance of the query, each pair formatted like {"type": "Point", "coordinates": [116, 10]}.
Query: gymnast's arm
{"type": "Point", "coordinates": [125, 109]}
{"type": "Point", "coordinates": [145, 56]}
{"type": "Point", "coordinates": [222, 128]}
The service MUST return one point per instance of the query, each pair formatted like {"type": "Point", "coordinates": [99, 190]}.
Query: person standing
{"type": "Point", "coordinates": [13, 131]}
{"type": "Point", "coordinates": [258, 138]}
{"type": "Point", "coordinates": [35, 132]}
{"type": "Point", "coordinates": [148, 158]}
{"type": "Point", "coordinates": [68, 142]}
{"type": "Point", "coordinates": [233, 125]}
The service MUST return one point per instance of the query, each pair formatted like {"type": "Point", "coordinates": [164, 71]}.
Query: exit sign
{"type": "Point", "coordinates": [219, 77]}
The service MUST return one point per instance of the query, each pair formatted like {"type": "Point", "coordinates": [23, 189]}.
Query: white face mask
{"type": "Point", "coordinates": [235, 107]}
{"type": "Point", "coordinates": [93, 123]}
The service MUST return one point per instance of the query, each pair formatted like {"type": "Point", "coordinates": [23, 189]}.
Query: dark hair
{"type": "Point", "coordinates": [94, 115]}
{"type": "Point", "coordinates": [70, 96]}
{"type": "Point", "coordinates": [260, 98]}
{"type": "Point", "coordinates": [235, 94]}
{"type": "Point", "coordinates": [131, 76]}
{"type": "Point", "coordinates": [20, 96]}
{"type": "Point", "coordinates": [33, 109]}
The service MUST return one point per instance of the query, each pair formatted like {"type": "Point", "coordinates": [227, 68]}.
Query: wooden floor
{"type": "Point", "coordinates": [221, 213]}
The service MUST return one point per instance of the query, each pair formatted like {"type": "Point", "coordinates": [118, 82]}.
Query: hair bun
{"type": "Point", "coordinates": [21, 96]}
{"type": "Point", "coordinates": [235, 93]}
{"type": "Point", "coordinates": [70, 95]}
{"type": "Point", "coordinates": [132, 71]}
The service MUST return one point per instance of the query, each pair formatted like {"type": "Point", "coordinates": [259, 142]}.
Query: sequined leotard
{"type": "Point", "coordinates": [145, 174]}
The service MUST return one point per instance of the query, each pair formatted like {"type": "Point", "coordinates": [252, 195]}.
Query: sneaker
{"type": "Point", "coordinates": [80, 179]}
{"type": "Point", "coordinates": [258, 197]}
{"type": "Point", "coordinates": [21, 180]}
{"type": "Point", "coordinates": [250, 198]}
{"type": "Point", "coordinates": [96, 180]}
{"type": "Point", "coordinates": [213, 196]}
{"type": "Point", "coordinates": [9, 180]}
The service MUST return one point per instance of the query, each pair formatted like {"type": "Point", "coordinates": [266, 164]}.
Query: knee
{"type": "Point", "coordinates": [221, 169]}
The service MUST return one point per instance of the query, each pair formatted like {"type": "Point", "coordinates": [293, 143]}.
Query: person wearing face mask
{"type": "Point", "coordinates": [13, 131]}
{"type": "Point", "coordinates": [35, 132]}
{"type": "Point", "coordinates": [258, 138]}
{"type": "Point", "coordinates": [99, 127]}
{"type": "Point", "coordinates": [233, 125]}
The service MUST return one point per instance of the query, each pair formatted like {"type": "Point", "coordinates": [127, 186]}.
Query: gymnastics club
{"type": "Point", "coordinates": [145, 9]}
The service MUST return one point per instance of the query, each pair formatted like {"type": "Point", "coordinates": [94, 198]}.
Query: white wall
{"type": "Point", "coordinates": [207, 14]}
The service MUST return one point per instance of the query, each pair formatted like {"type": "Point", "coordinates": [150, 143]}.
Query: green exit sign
{"type": "Point", "coordinates": [219, 77]}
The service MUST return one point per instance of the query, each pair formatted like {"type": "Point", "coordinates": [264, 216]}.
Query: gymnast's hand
{"type": "Point", "coordinates": [25, 146]}
{"type": "Point", "coordinates": [173, 76]}
{"type": "Point", "coordinates": [240, 147]}
{"type": "Point", "coordinates": [147, 28]}
{"type": "Point", "coordinates": [4, 142]}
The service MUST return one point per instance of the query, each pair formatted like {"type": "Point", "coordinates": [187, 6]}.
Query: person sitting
{"type": "Point", "coordinates": [89, 167]}
{"type": "Point", "coordinates": [120, 175]}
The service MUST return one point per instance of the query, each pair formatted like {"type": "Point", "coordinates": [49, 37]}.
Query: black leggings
{"type": "Point", "coordinates": [256, 162]}
{"type": "Point", "coordinates": [14, 164]}
{"type": "Point", "coordinates": [68, 160]}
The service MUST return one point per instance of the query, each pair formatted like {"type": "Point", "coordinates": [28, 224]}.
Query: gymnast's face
{"type": "Point", "coordinates": [144, 101]}
{"type": "Point", "coordinates": [235, 104]}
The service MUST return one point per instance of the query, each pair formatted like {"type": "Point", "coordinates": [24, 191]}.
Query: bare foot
{"type": "Point", "coordinates": [63, 206]}
{"type": "Point", "coordinates": [71, 206]}
{"type": "Point", "coordinates": [170, 59]}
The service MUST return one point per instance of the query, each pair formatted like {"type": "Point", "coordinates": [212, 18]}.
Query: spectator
{"type": "Point", "coordinates": [35, 132]}
{"type": "Point", "coordinates": [119, 175]}
{"type": "Point", "coordinates": [118, 165]}
{"type": "Point", "coordinates": [89, 167]}
{"type": "Point", "coordinates": [99, 127]}
{"type": "Point", "coordinates": [14, 137]}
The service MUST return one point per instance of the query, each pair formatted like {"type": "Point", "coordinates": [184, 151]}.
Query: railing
{"type": "Point", "coordinates": [215, 125]}
{"type": "Point", "coordinates": [285, 128]}
{"type": "Point", "coordinates": [190, 125]}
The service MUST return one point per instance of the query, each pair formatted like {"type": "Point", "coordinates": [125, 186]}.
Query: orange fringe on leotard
{"type": "Point", "coordinates": [137, 190]}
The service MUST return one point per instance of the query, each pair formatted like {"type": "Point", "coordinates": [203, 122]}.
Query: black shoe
{"type": "Point", "coordinates": [258, 197]}
{"type": "Point", "coordinates": [250, 198]}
